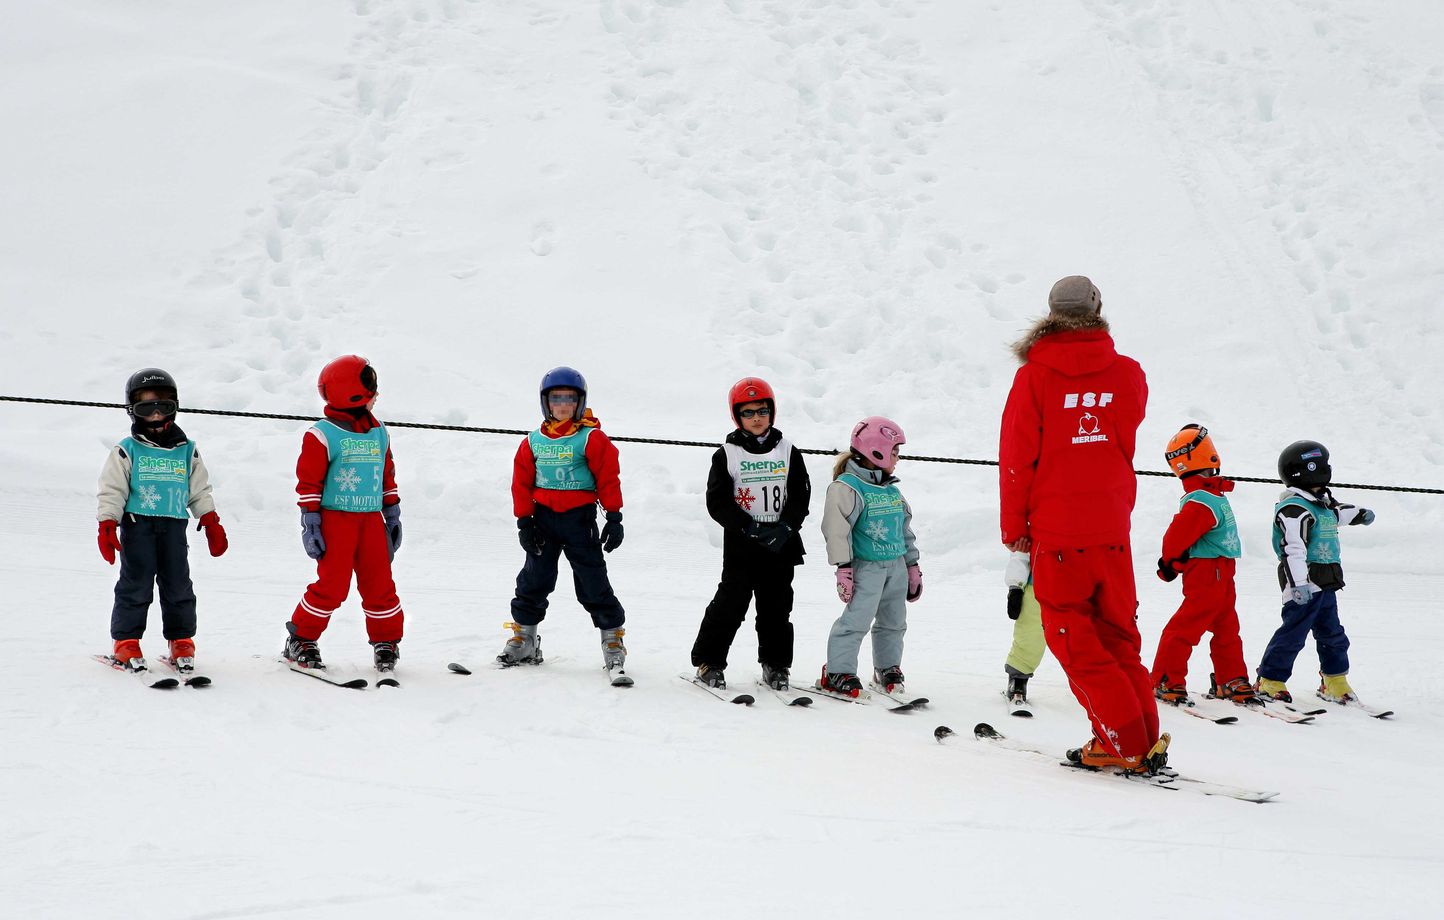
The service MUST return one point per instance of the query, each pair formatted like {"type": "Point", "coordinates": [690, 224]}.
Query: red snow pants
{"type": "Point", "coordinates": [1209, 605]}
{"type": "Point", "coordinates": [355, 542]}
{"type": "Point", "coordinates": [1090, 605]}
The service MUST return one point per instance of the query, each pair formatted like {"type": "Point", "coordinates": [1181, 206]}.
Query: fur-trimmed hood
{"type": "Point", "coordinates": [1054, 323]}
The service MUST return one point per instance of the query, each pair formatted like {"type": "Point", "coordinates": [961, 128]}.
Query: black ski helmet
{"type": "Point", "coordinates": [149, 378]}
{"type": "Point", "coordinates": [1305, 464]}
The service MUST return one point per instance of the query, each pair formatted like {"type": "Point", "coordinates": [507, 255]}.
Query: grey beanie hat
{"type": "Point", "coordinates": [1075, 295]}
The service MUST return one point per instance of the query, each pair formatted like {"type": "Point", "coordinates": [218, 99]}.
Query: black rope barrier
{"type": "Point", "coordinates": [473, 429]}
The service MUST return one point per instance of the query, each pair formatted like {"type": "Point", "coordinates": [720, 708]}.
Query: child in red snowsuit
{"type": "Point", "coordinates": [350, 516]}
{"type": "Point", "coordinates": [1202, 543]}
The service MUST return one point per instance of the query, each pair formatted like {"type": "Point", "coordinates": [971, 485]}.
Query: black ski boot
{"type": "Point", "coordinates": [711, 677]}
{"type": "Point", "coordinates": [776, 678]}
{"type": "Point", "coordinates": [386, 655]}
{"type": "Point", "coordinates": [1017, 692]}
{"type": "Point", "coordinates": [302, 652]}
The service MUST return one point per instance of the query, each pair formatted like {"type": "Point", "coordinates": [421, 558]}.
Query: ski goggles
{"type": "Point", "coordinates": [150, 407]}
{"type": "Point", "coordinates": [764, 412]}
{"type": "Point", "coordinates": [565, 399]}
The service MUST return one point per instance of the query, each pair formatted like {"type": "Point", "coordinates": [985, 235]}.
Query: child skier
{"type": "Point", "coordinates": [867, 525]}
{"type": "Point", "coordinates": [561, 472]}
{"type": "Point", "coordinates": [150, 482]}
{"type": "Point", "coordinates": [1202, 543]}
{"type": "Point", "coordinates": [758, 490]}
{"type": "Point", "coordinates": [1306, 540]}
{"type": "Point", "coordinates": [350, 517]}
{"type": "Point", "coordinates": [1028, 643]}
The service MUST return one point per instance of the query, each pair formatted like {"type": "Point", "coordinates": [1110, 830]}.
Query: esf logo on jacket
{"type": "Point", "coordinates": [1086, 400]}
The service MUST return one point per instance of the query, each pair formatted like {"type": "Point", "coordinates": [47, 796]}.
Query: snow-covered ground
{"type": "Point", "coordinates": [863, 201]}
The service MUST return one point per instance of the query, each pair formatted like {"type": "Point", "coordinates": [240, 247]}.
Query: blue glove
{"type": "Point", "coordinates": [1302, 594]}
{"type": "Point", "coordinates": [1366, 516]}
{"type": "Point", "coordinates": [391, 514]}
{"type": "Point", "coordinates": [612, 532]}
{"type": "Point", "coordinates": [311, 540]}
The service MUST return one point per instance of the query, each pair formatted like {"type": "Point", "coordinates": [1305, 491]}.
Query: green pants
{"type": "Point", "coordinates": [1027, 651]}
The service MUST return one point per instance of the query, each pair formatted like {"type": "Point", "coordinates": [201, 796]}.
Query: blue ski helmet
{"type": "Point", "coordinates": [564, 377]}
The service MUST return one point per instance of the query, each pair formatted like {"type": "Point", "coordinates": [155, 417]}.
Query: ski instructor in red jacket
{"type": "Point", "coordinates": [1065, 473]}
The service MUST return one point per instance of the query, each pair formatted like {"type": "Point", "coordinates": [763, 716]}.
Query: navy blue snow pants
{"type": "Point", "coordinates": [1321, 616]}
{"type": "Point", "coordinates": [153, 552]}
{"type": "Point", "coordinates": [575, 533]}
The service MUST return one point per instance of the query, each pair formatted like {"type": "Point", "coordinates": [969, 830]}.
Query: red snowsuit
{"type": "Point", "coordinates": [355, 542]}
{"type": "Point", "coordinates": [1209, 602]}
{"type": "Point", "coordinates": [1066, 482]}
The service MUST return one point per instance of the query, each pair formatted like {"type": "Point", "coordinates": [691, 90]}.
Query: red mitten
{"type": "Point", "coordinates": [215, 533]}
{"type": "Point", "coordinates": [109, 541]}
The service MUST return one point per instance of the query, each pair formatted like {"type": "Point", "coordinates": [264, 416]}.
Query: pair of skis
{"type": "Point", "coordinates": [788, 697]}
{"type": "Point", "coordinates": [1166, 779]}
{"type": "Point", "coordinates": [188, 676]}
{"type": "Point", "coordinates": [616, 676]}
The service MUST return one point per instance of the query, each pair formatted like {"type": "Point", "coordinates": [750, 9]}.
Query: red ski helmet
{"type": "Point", "coordinates": [750, 389]}
{"type": "Point", "coordinates": [349, 382]}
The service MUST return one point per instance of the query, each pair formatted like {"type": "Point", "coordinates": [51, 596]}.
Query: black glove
{"type": "Point", "coordinates": [1015, 602]}
{"type": "Point", "coordinates": [775, 536]}
{"type": "Point", "coordinates": [1166, 571]}
{"type": "Point", "coordinates": [754, 529]}
{"type": "Point", "coordinates": [612, 531]}
{"type": "Point", "coordinates": [528, 536]}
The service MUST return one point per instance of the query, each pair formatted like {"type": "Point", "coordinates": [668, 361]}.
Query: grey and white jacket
{"type": "Point", "coordinates": [840, 511]}
{"type": "Point", "coordinates": [115, 484]}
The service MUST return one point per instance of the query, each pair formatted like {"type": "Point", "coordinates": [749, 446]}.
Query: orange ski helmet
{"type": "Point", "coordinates": [349, 382]}
{"type": "Point", "coordinates": [1191, 452]}
{"type": "Point", "coordinates": [750, 389]}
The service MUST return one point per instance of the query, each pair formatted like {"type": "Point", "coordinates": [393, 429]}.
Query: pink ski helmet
{"type": "Point", "coordinates": [878, 439]}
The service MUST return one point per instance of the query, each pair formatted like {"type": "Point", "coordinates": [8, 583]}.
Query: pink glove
{"type": "Point", "coordinates": [915, 582]}
{"type": "Point", "coordinates": [844, 583]}
{"type": "Point", "coordinates": [108, 541]}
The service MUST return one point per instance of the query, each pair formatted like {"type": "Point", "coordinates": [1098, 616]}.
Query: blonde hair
{"type": "Point", "coordinates": [839, 463]}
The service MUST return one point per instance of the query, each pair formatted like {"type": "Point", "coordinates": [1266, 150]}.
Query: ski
{"type": "Point", "coordinates": [617, 677]}
{"type": "Point", "coordinates": [388, 680]}
{"type": "Point", "coordinates": [901, 697]}
{"type": "Point", "coordinates": [1018, 705]}
{"type": "Point", "coordinates": [143, 674]}
{"type": "Point", "coordinates": [1262, 708]}
{"type": "Point", "coordinates": [1372, 711]}
{"type": "Point", "coordinates": [358, 683]}
{"type": "Point", "coordinates": [455, 668]}
{"type": "Point", "coordinates": [1190, 709]}
{"type": "Point", "coordinates": [1291, 707]}
{"type": "Point", "coordinates": [787, 697]}
{"type": "Point", "coordinates": [1167, 779]}
{"type": "Point", "coordinates": [865, 699]}
{"type": "Point", "coordinates": [742, 699]}
{"type": "Point", "coordinates": [188, 675]}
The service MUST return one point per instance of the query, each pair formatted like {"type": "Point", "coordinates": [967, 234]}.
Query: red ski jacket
{"type": "Point", "coordinates": [602, 459]}
{"type": "Point", "coordinates": [315, 461]}
{"type": "Point", "coordinates": [1193, 520]}
{"type": "Point", "coordinates": [1065, 454]}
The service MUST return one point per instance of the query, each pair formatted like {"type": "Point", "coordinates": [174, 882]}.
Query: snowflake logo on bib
{"type": "Point", "coordinates": [745, 498]}
{"type": "Point", "coordinates": [149, 497]}
{"type": "Point", "coordinates": [347, 479]}
{"type": "Point", "coordinates": [878, 531]}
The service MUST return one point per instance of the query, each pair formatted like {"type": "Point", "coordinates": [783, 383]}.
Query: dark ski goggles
{"type": "Point", "coordinates": [567, 399]}
{"type": "Point", "coordinates": [749, 413]}
{"type": "Point", "coordinates": [150, 407]}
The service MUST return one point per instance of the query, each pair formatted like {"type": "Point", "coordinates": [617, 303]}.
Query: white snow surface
{"type": "Point", "coordinates": [863, 201]}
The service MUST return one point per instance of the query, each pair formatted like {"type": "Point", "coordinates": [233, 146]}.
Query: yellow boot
{"type": "Point", "coordinates": [1335, 689]}
{"type": "Point", "coordinates": [1273, 690]}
